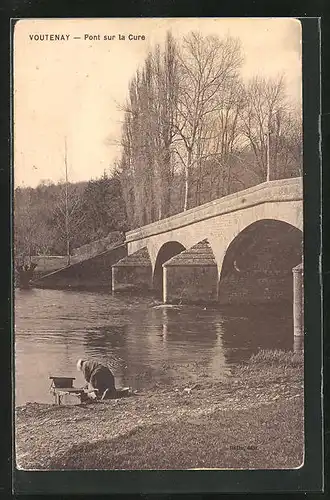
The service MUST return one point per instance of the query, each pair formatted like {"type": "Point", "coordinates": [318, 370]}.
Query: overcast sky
{"type": "Point", "coordinates": [74, 88]}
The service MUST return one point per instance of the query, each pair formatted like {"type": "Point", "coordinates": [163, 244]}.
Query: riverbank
{"type": "Point", "coordinates": [253, 418]}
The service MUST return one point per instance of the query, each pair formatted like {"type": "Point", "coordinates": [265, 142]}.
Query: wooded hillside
{"type": "Point", "coordinates": [95, 209]}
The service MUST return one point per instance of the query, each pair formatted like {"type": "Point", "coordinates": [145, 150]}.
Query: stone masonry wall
{"type": "Point", "coordinates": [99, 246]}
{"type": "Point", "coordinates": [135, 278]}
{"type": "Point", "coordinates": [188, 284]}
{"type": "Point", "coordinates": [256, 288]}
{"type": "Point", "coordinates": [91, 273]}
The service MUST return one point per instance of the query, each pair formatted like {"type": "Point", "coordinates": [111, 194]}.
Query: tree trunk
{"type": "Point", "coordinates": [187, 181]}
{"type": "Point", "coordinates": [186, 188]}
{"type": "Point", "coordinates": [166, 191]}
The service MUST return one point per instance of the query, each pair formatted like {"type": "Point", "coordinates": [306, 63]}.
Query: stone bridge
{"type": "Point", "coordinates": [239, 248]}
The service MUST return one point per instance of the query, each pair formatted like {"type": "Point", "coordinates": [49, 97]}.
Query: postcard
{"type": "Point", "coordinates": [158, 244]}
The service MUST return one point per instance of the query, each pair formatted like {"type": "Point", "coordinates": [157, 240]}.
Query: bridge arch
{"type": "Point", "coordinates": [165, 253]}
{"type": "Point", "coordinates": [221, 222]}
{"type": "Point", "coordinates": [259, 260]}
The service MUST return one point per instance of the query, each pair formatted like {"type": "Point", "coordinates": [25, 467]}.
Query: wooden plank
{"type": "Point", "coordinates": [62, 382]}
{"type": "Point", "coordinates": [67, 390]}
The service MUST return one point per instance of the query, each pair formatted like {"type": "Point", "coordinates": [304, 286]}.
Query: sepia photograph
{"type": "Point", "coordinates": [158, 244]}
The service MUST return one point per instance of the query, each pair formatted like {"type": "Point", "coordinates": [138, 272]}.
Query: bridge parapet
{"type": "Point", "coordinates": [283, 190]}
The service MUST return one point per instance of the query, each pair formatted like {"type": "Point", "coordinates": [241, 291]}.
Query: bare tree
{"type": "Point", "coordinates": [68, 205]}
{"type": "Point", "coordinates": [207, 66]}
{"type": "Point", "coordinates": [148, 133]}
{"type": "Point", "coordinates": [193, 131]}
{"type": "Point", "coordinates": [26, 224]}
{"type": "Point", "coordinates": [286, 145]}
{"type": "Point", "coordinates": [224, 145]}
{"type": "Point", "coordinates": [132, 165]}
{"type": "Point", "coordinates": [267, 123]}
{"type": "Point", "coordinates": [164, 114]}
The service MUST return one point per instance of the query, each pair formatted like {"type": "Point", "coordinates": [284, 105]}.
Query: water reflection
{"type": "Point", "coordinates": [105, 337]}
{"type": "Point", "coordinates": [218, 364]}
{"type": "Point", "coordinates": [143, 345]}
{"type": "Point", "coordinates": [298, 343]}
{"type": "Point", "coordinates": [185, 323]}
{"type": "Point", "coordinates": [252, 328]}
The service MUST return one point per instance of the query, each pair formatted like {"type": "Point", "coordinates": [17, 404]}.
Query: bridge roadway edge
{"type": "Point", "coordinates": [151, 229]}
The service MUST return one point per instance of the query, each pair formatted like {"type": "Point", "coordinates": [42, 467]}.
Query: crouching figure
{"type": "Point", "coordinates": [99, 378]}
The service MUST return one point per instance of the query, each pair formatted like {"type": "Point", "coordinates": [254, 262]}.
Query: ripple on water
{"type": "Point", "coordinates": [54, 328]}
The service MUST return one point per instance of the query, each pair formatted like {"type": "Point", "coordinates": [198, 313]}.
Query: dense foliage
{"type": "Point", "coordinates": [95, 209]}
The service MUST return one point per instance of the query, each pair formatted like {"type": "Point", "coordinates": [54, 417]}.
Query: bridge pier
{"type": "Point", "coordinates": [298, 307]}
{"type": "Point", "coordinates": [191, 276]}
{"type": "Point", "coordinates": [165, 297]}
{"type": "Point", "coordinates": [133, 272]}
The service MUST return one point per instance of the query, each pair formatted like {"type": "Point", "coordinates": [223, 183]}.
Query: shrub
{"type": "Point", "coordinates": [277, 357]}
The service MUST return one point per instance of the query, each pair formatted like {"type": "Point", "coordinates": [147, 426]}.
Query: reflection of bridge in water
{"type": "Point", "coordinates": [161, 346]}
{"type": "Point", "coordinates": [145, 345]}
{"type": "Point", "coordinates": [184, 344]}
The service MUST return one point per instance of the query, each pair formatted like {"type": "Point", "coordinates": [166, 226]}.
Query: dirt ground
{"type": "Point", "coordinates": [251, 419]}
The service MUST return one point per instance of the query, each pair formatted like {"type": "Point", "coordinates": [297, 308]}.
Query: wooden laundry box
{"type": "Point", "coordinates": [61, 386]}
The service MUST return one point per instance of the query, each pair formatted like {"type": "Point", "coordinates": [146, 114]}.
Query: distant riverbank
{"type": "Point", "coordinates": [251, 419]}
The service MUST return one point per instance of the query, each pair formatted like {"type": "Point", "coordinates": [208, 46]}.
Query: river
{"type": "Point", "coordinates": [143, 342]}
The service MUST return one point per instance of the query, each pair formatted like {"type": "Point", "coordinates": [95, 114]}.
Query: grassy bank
{"type": "Point", "coordinates": [251, 419]}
